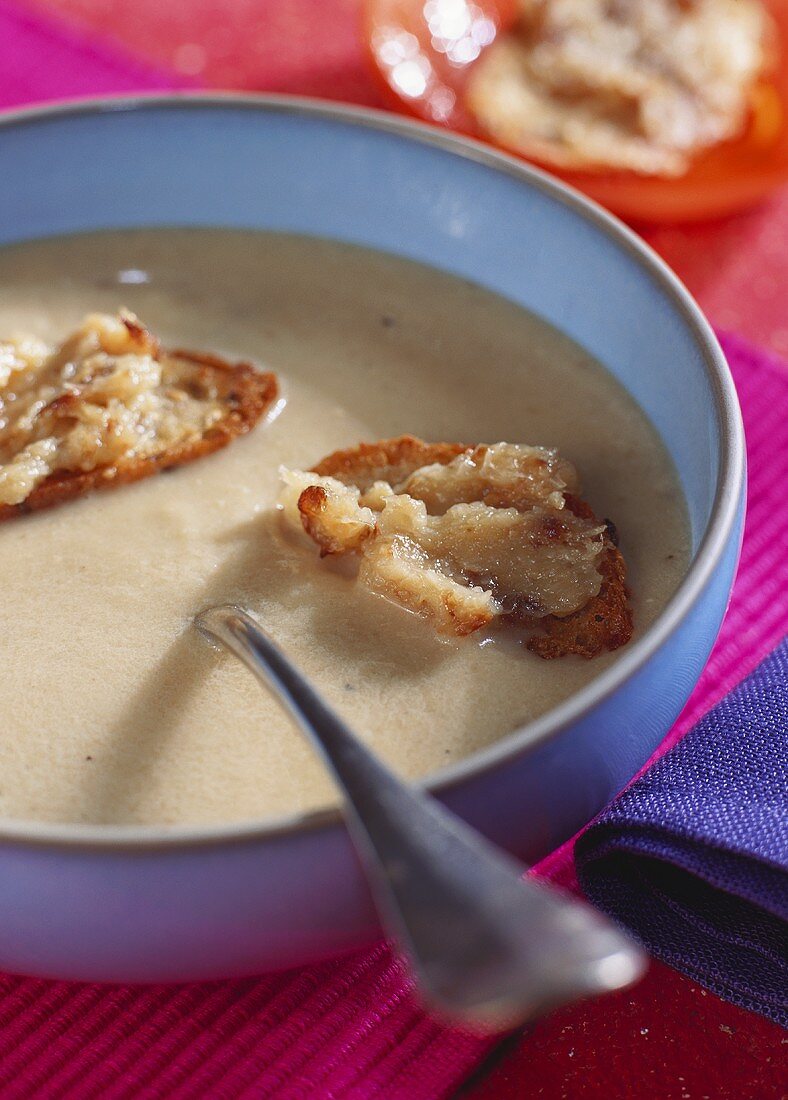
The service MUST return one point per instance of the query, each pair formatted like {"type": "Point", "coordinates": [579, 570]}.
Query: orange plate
{"type": "Point", "coordinates": [422, 51]}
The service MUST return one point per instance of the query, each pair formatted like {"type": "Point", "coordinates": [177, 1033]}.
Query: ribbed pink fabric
{"type": "Point", "coordinates": [43, 60]}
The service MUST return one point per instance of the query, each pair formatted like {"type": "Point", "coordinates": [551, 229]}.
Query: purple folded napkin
{"type": "Point", "coordinates": [693, 858]}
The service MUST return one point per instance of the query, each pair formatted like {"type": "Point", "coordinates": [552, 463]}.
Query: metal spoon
{"type": "Point", "coordinates": [485, 946]}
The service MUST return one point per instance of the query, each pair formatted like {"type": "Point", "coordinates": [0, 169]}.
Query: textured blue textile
{"type": "Point", "coordinates": [693, 857]}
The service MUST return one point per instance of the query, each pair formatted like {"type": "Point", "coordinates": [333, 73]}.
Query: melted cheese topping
{"type": "Point", "coordinates": [104, 396]}
{"type": "Point", "coordinates": [485, 535]}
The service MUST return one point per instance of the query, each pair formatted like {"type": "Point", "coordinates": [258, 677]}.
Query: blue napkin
{"type": "Point", "coordinates": [693, 857]}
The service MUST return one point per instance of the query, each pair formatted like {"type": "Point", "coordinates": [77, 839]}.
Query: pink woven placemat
{"type": "Point", "coordinates": [347, 1028]}
{"type": "Point", "coordinates": [350, 1028]}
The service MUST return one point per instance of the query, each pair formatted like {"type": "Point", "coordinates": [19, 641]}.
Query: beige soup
{"type": "Point", "coordinates": [115, 710]}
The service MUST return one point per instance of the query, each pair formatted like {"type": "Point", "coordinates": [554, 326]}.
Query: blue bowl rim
{"type": "Point", "coordinates": [715, 540]}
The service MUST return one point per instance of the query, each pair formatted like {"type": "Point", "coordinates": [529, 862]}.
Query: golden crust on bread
{"type": "Point", "coordinates": [109, 407]}
{"type": "Point", "coordinates": [391, 460]}
{"type": "Point", "coordinates": [449, 544]}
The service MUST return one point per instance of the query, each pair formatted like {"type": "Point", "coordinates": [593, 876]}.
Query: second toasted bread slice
{"type": "Point", "coordinates": [415, 511]}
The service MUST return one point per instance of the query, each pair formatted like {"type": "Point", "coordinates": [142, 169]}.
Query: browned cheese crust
{"type": "Point", "coordinates": [604, 623]}
{"type": "Point", "coordinates": [312, 504]}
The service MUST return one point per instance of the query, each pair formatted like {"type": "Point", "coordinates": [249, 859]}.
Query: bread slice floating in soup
{"type": "Point", "coordinates": [109, 406]}
{"type": "Point", "coordinates": [467, 536]}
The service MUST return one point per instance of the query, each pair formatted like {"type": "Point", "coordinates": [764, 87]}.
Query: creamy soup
{"type": "Point", "coordinates": [116, 710]}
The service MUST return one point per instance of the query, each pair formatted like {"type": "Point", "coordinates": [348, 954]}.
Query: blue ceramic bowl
{"type": "Point", "coordinates": [147, 904]}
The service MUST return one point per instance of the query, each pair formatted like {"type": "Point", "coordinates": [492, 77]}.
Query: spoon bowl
{"type": "Point", "coordinates": [485, 946]}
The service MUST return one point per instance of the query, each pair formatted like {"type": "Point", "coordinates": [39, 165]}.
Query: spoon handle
{"type": "Point", "coordinates": [485, 945]}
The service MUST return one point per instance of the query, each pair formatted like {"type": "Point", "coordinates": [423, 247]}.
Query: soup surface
{"type": "Point", "coordinates": [116, 710]}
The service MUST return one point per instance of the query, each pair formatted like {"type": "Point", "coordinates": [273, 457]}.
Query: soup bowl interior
{"type": "Point", "coordinates": [386, 184]}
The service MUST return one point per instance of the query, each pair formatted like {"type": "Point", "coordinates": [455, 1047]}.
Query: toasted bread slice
{"type": "Point", "coordinates": [523, 487]}
{"type": "Point", "coordinates": [118, 409]}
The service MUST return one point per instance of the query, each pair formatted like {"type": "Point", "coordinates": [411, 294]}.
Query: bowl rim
{"type": "Point", "coordinates": [730, 472]}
